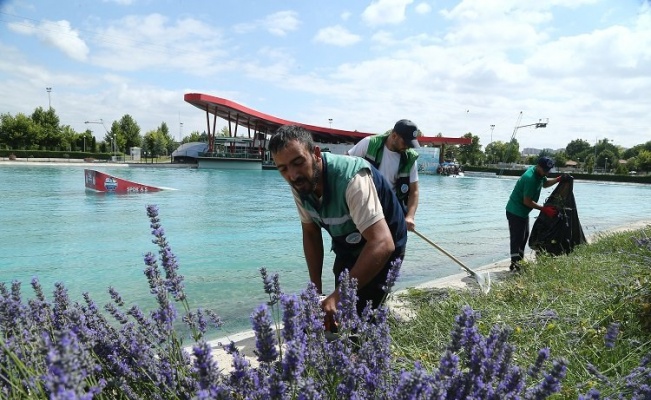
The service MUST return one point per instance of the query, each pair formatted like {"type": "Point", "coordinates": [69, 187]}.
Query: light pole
{"type": "Point", "coordinates": [180, 131]}
{"type": "Point", "coordinates": [605, 165]}
{"type": "Point", "coordinates": [492, 127]}
{"type": "Point", "coordinates": [101, 122]}
{"type": "Point", "coordinates": [330, 121]}
{"type": "Point", "coordinates": [49, 101]}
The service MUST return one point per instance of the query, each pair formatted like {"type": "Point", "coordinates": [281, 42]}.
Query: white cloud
{"type": "Point", "coordinates": [189, 45]}
{"type": "Point", "coordinates": [382, 12]}
{"type": "Point", "coordinates": [120, 2]}
{"type": "Point", "coordinates": [278, 24]}
{"type": "Point", "coordinates": [58, 34]}
{"type": "Point", "coordinates": [423, 8]}
{"type": "Point", "coordinates": [336, 35]}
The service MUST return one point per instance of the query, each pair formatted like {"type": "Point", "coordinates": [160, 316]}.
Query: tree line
{"type": "Point", "coordinates": [43, 131]}
{"type": "Point", "coordinates": [603, 156]}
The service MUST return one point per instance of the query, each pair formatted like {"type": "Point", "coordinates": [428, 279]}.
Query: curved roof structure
{"type": "Point", "coordinates": [258, 122]}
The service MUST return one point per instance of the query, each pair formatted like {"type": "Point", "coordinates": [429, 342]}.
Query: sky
{"type": "Point", "coordinates": [452, 67]}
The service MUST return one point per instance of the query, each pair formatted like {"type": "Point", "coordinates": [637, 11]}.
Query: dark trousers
{"type": "Point", "coordinates": [519, 234]}
{"type": "Point", "coordinates": [373, 290]}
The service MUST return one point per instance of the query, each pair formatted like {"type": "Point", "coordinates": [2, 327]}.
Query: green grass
{"type": "Point", "coordinates": [565, 303]}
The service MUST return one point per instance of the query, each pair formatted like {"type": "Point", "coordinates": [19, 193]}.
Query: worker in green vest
{"type": "Point", "coordinates": [394, 156]}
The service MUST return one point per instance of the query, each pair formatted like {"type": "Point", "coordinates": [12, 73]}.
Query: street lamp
{"type": "Point", "coordinates": [101, 122]}
{"type": "Point", "coordinates": [492, 128]}
{"type": "Point", "coordinates": [605, 165]}
{"type": "Point", "coordinates": [49, 102]}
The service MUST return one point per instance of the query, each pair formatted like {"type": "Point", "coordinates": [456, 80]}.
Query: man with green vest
{"type": "Point", "coordinates": [394, 156]}
{"type": "Point", "coordinates": [347, 197]}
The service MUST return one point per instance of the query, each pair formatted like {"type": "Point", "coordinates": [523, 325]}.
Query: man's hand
{"type": "Point", "coordinates": [329, 306]}
{"type": "Point", "coordinates": [564, 178]}
{"type": "Point", "coordinates": [411, 225]}
{"type": "Point", "coordinates": [549, 211]}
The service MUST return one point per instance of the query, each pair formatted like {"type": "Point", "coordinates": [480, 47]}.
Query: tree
{"type": "Point", "coordinates": [578, 148]}
{"type": "Point", "coordinates": [644, 160]}
{"type": "Point", "coordinates": [48, 130]}
{"type": "Point", "coordinates": [470, 153]}
{"type": "Point", "coordinates": [451, 153]}
{"type": "Point", "coordinates": [589, 163]}
{"type": "Point", "coordinates": [154, 143]}
{"type": "Point", "coordinates": [560, 159]}
{"type": "Point", "coordinates": [128, 134]}
{"type": "Point", "coordinates": [606, 159]}
{"type": "Point", "coordinates": [170, 144]}
{"type": "Point", "coordinates": [512, 151]}
{"type": "Point", "coordinates": [496, 152]}
{"type": "Point", "coordinates": [19, 132]}
{"type": "Point", "coordinates": [196, 137]}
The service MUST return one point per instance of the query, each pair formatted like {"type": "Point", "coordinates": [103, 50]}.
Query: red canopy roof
{"type": "Point", "coordinates": [257, 121]}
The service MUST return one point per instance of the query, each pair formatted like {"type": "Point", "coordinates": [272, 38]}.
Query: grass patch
{"type": "Point", "coordinates": [575, 305]}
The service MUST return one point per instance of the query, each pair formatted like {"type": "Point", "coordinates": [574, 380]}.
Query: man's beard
{"type": "Point", "coordinates": [304, 186]}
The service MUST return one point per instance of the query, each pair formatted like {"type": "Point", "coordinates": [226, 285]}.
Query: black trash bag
{"type": "Point", "coordinates": [558, 235]}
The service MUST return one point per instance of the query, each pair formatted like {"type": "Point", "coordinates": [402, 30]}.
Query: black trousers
{"type": "Point", "coordinates": [519, 234]}
{"type": "Point", "coordinates": [373, 290]}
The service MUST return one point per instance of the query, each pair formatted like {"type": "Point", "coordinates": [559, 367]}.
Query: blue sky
{"type": "Point", "coordinates": [450, 66]}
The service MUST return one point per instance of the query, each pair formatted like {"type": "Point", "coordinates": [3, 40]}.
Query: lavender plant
{"type": "Point", "coordinates": [64, 349]}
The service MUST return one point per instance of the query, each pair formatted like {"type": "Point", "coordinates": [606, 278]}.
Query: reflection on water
{"type": "Point", "coordinates": [224, 225]}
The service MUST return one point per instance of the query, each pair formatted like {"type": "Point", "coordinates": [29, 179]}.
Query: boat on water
{"type": "Point", "coordinates": [102, 182]}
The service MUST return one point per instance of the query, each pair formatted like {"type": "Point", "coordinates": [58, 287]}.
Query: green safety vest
{"type": "Point", "coordinates": [333, 214]}
{"type": "Point", "coordinates": [407, 160]}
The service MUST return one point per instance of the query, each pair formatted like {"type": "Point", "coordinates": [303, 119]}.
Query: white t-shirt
{"type": "Point", "coordinates": [389, 164]}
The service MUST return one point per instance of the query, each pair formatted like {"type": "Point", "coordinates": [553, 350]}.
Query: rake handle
{"type": "Point", "coordinates": [453, 258]}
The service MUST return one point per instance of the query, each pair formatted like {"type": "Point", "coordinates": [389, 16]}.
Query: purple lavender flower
{"type": "Point", "coordinates": [264, 335]}
{"type": "Point", "coordinates": [551, 383]}
{"type": "Point", "coordinates": [295, 339]}
{"type": "Point", "coordinates": [173, 281]}
{"type": "Point", "coordinates": [534, 370]}
{"type": "Point", "coordinates": [392, 275]}
{"type": "Point", "coordinates": [611, 335]}
{"type": "Point", "coordinates": [68, 365]}
{"type": "Point", "coordinates": [593, 394]}
{"type": "Point", "coordinates": [205, 365]}
{"type": "Point", "coordinates": [271, 286]}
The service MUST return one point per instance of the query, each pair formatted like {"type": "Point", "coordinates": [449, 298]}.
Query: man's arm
{"type": "Point", "coordinates": [551, 182]}
{"type": "Point", "coordinates": [313, 249]}
{"type": "Point", "coordinates": [375, 254]}
{"type": "Point", "coordinates": [412, 206]}
{"type": "Point", "coordinates": [531, 204]}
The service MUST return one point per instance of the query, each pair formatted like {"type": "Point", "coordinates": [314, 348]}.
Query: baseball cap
{"type": "Point", "coordinates": [408, 131]}
{"type": "Point", "coordinates": [546, 163]}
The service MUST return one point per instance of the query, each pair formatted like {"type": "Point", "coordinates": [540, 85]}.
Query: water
{"type": "Point", "coordinates": [224, 225]}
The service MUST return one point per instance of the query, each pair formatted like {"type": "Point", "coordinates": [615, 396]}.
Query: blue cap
{"type": "Point", "coordinates": [546, 163]}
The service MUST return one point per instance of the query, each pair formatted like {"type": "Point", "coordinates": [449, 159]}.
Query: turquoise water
{"type": "Point", "coordinates": [224, 225]}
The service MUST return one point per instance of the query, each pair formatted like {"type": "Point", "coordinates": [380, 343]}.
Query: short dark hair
{"type": "Point", "coordinates": [287, 133]}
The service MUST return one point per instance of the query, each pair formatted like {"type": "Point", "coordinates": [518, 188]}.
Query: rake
{"type": "Point", "coordinates": [484, 281]}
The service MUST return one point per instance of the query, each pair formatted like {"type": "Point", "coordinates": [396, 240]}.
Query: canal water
{"type": "Point", "coordinates": [224, 225]}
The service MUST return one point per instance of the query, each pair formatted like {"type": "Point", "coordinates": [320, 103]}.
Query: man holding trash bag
{"type": "Point", "coordinates": [523, 199]}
